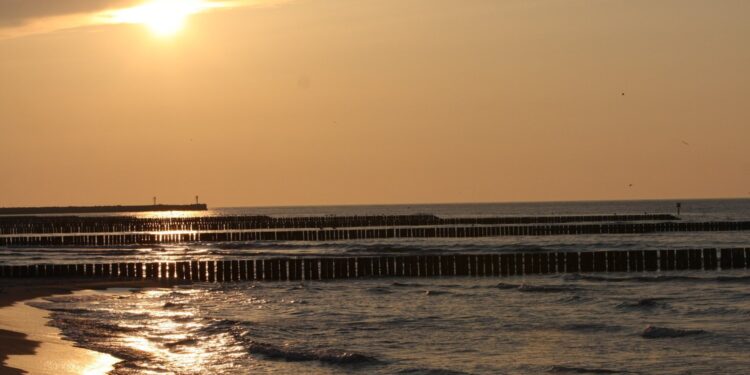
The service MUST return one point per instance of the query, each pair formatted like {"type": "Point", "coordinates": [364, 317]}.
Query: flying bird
{"type": "Point", "coordinates": [685, 143]}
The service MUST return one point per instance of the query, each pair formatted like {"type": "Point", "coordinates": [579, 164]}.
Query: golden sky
{"type": "Point", "coordinates": [372, 101]}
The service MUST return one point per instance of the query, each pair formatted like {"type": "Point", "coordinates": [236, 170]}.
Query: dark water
{"type": "Point", "coordinates": [666, 323]}
{"type": "Point", "coordinates": [557, 324]}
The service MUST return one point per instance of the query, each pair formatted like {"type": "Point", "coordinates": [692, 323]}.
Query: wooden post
{"type": "Point", "coordinates": [180, 271]}
{"type": "Point", "coordinates": [122, 270]}
{"type": "Point", "coordinates": [98, 271]}
{"type": "Point", "coordinates": [365, 264]}
{"type": "Point", "coordinates": [586, 259]}
{"type": "Point", "coordinates": [131, 271]}
{"type": "Point", "coordinates": [421, 266]}
{"type": "Point", "coordinates": [600, 261]}
{"type": "Point", "coordinates": [710, 259]}
{"type": "Point", "coordinates": [351, 267]}
{"type": "Point", "coordinates": [269, 273]}
{"type": "Point", "coordinates": [544, 263]}
{"type": "Point", "coordinates": [682, 261]}
{"type": "Point", "coordinates": [89, 270]}
{"type": "Point", "coordinates": [536, 266]}
{"type": "Point", "coordinates": [227, 270]}
{"type": "Point", "coordinates": [202, 271]}
{"type": "Point", "coordinates": [635, 261]}
{"type": "Point", "coordinates": [528, 264]}
{"type": "Point", "coordinates": [447, 265]}
{"type": "Point", "coordinates": [571, 262]}
{"type": "Point", "coordinates": [194, 275]}
{"type": "Point", "coordinates": [150, 270]}
{"type": "Point", "coordinates": [340, 271]}
{"type": "Point", "coordinates": [738, 258]}
{"type": "Point", "coordinates": [308, 274]}
{"type": "Point", "coordinates": [509, 260]}
{"type": "Point", "coordinates": [650, 258]}
{"type": "Point", "coordinates": [382, 264]}
{"type": "Point", "coordinates": [219, 270]}
{"type": "Point", "coordinates": [666, 260]}
{"type": "Point", "coordinates": [519, 263]}
{"type": "Point", "coordinates": [171, 270]}
{"type": "Point", "coordinates": [695, 260]}
{"type": "Point", "coordinates": [295, 269]}
{"type": "Point", "coordinates": [252, 270]}
{"type": "Point", "coordinates": [327, 268]}
{"type": "Point", "coordinates": [462, 264]}
{"type": "Point", "coordinates": [473, 265]}
{"type": "Point", "coordinates": [211, 267]}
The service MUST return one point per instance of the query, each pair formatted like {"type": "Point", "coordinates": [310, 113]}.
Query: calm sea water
{"type": "Point", "coordinates": [594, 323]}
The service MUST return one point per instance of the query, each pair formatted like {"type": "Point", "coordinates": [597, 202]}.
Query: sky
{"type": "Point", "coordinates": [321, 102]}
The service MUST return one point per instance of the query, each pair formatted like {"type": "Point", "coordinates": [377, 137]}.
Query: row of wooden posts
{"type": "Point", "coordinates": [78, 224]}
{"type": "Point", "coordinates": [443, 265]}
{"type": "Point", "coordinates": [99, 239]}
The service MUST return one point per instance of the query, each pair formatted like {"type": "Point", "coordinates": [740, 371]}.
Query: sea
{"type": "Point", "coordinates": [677, 322]}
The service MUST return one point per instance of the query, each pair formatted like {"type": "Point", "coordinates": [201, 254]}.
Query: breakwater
{"type": "Point", "coordinates": [91, 224]}
{"type": "Point", "coordinates": [443, 265]}
{"type": "Point", "coordinates": [357, 233]}
{"type": "Point", "coordinates": [100, 209]}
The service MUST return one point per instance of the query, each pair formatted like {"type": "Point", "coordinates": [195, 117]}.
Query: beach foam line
{"type": "Point", "coordinates": [53, 355]}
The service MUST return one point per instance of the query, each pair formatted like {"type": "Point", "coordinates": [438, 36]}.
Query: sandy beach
{"type": "Point", "coordinates": [29, 346]}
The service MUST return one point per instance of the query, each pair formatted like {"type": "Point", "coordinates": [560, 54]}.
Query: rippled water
{"type": "Point", "coordinates": [425, 326]}
{"type": "Point", "coordinates": [667, 323]}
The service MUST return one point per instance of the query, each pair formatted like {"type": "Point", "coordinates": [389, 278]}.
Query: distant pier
{"type": "Point", "coordinates": [100, 209]}
{"type": "Point", "coordinates": [128, 230]}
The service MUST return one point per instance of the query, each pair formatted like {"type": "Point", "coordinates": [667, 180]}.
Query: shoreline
{"type": "Point", "coordinates": [33, 347]}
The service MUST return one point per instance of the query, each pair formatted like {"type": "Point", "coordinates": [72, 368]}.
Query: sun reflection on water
{"type": "Point", "coordinates": [170, 214]}
{"type": "Point", "coordinates": [171, 335]}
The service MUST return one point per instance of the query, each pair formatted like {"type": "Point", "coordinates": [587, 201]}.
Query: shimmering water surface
{"type": "Point", "coordinates": [568, 323]}
{"type": "Point", "coordinates": [595, 323]}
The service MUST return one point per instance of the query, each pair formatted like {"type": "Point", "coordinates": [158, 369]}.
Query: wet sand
{"type": "Point", "coordinates": [29, 345]}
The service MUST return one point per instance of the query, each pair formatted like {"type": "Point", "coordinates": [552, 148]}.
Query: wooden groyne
{"type": "Point", "coordinates": [443, 265]}
{"type": "Point", "coordinates": [83, 224]}
{"type": "Point", "coordinates": [332, 234]}
{"type": "Point", "coordinates": [100, 209]}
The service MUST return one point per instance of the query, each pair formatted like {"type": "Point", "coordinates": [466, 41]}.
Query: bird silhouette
{"type": "Point", "coordinates": [685, 143]}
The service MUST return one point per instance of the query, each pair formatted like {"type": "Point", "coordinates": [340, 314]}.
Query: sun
{"type": "Point", "coordinates": [163, 17]}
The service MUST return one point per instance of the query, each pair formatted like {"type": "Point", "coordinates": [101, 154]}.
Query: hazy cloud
{"type": "Point", "coordinates": [28, 17]}
{"type": "Point", "coordinates": [19, 12]}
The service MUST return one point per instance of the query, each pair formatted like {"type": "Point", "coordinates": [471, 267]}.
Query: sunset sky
{"type": "Point", "coordinates": [304, 102]}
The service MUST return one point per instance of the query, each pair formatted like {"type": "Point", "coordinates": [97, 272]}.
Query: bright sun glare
{"type": "Point", "coordinates": [162, 17]}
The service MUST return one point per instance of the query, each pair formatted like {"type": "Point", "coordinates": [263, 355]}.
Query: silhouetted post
{"type": "Point", "coordinates": [219, 270]}
{"type": "Point", "coordinates": [709, 259]}
{"type": "Point", "coordinates": [586, 260]}
{"type": "Point", "coordinates": [202, 270]}
{"type": "Point", "coordinates": [651, 260]}
{"type": "Point", "coordinates": [571, 262]}
{"type": "Point", "coordinates": [194, 271]}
